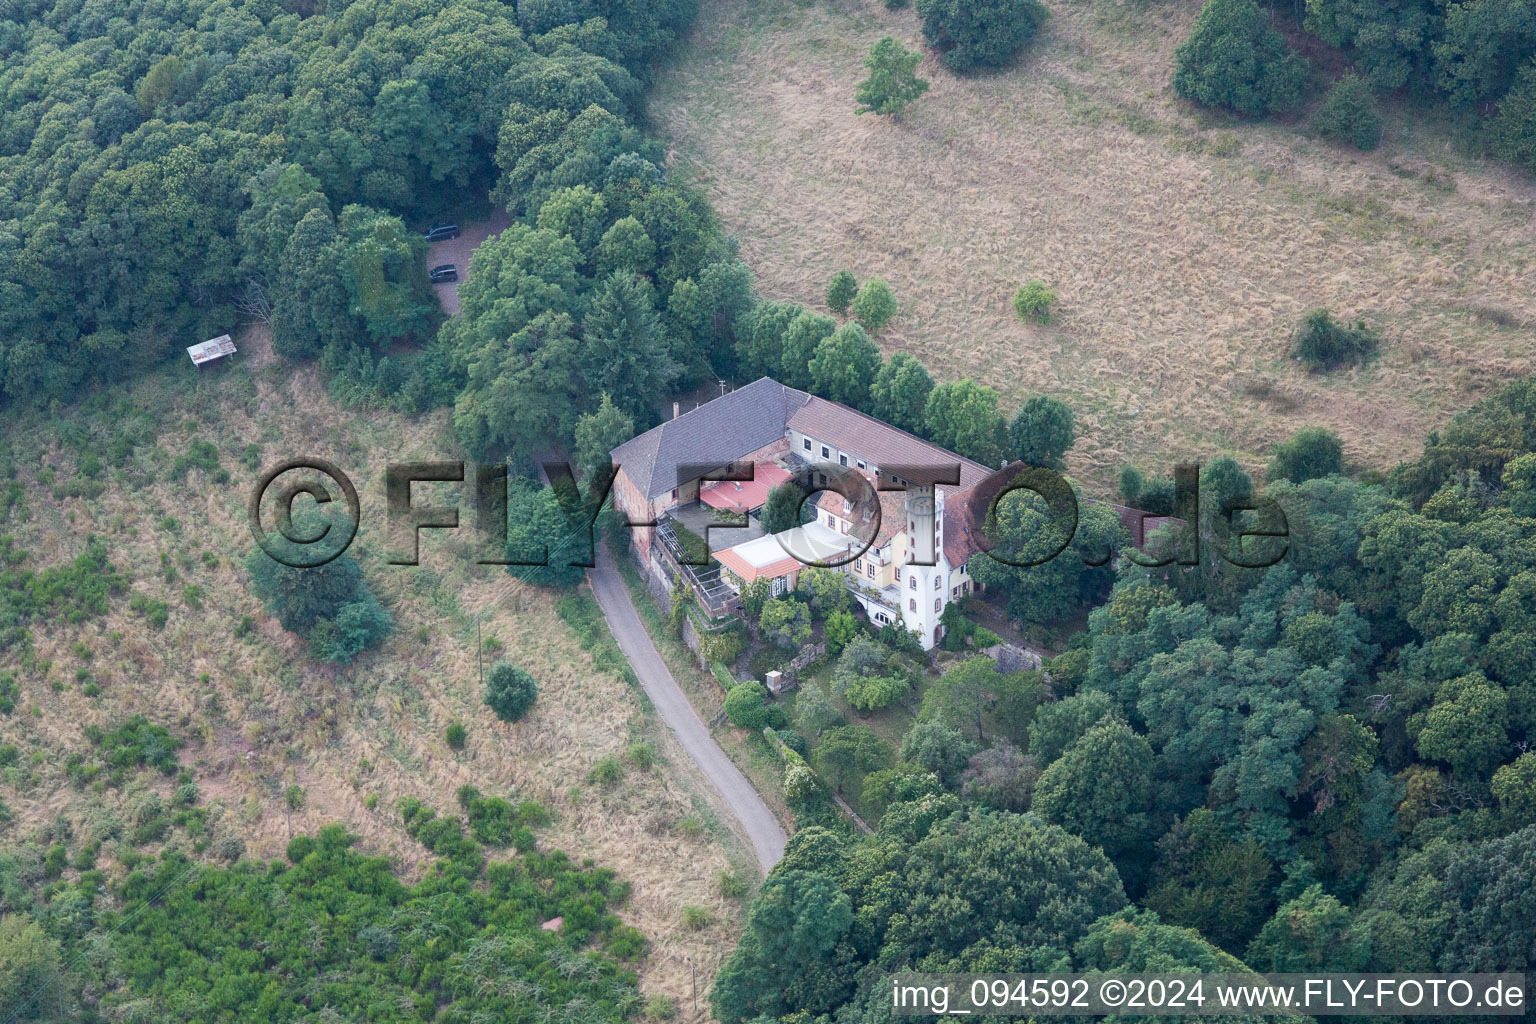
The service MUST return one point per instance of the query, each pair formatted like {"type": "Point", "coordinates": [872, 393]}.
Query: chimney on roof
{"type": "Point", "coordinates": [676, 409]}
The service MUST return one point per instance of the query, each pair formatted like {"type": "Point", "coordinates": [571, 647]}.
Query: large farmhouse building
{"type": "Point", "coordinates": [915, 561]}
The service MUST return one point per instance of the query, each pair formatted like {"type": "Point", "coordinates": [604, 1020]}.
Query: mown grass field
{"type": "Point", "coordinates": [1184, 246]}
{"type": "Point", "coordinates": [258, 716]}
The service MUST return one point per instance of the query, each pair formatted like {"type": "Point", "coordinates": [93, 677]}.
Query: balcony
{"type": "Point", "coordinates": [681, 544]}
{"type": "Point", "coordinates": [888, 599]}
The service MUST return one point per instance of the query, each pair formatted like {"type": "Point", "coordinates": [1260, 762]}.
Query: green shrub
{"type": "Point", "coordinates": [892, 83]}
{"type": "Point", "coordinates": [973, 34]}
{"type": "Point", "coordinates": [874, 306]}
{"type": "Point", "coordinates": [330, 605]}
{"type": "Point", "coordinates": [660, 1007]}
{"type": "Point", "coordinates": [455, 735]}
{"type": "Point", "coordinates": [200, 455]}
{"type": "Point", "coordinates": [840, 292]}
{"type": "Point", "coordinates": [492, 820]}
{"type": "Point", "coordinates": [746, 705]}
{"type": "Point", "coordinates": [510, 691]}
{"type": "Point", "coordinates": [71, 592]}
{"type": "Point", "coordinates": [696, 917]}
{"type": "Point", "coordinates": [732, 885]}
{"type": "Point", "coordinates": [1322, 343]}
{"type": "Point", "coordinates": [1033, 301]}
{"type": "Point", "coordinates": [641, 755]}
{"type": "Point", "coordinates": [607, 770]}
{"type": "Point", "coordinates": [1311, 452]}
{"type": "Point", "coordinates": [1234, 58]}
{"type": "Point", "coordinates": [1349, 114]}
{"type": "Point", "coordinates": [1512, 130]}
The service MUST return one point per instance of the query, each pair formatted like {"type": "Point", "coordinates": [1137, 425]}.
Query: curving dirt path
{"type": "Point", "coordinates": [757, 821]}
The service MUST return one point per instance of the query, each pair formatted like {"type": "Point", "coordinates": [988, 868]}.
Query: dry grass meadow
{"type": "Point", "coordinates": [259, 717]}
{"type": "Point", "coordinates": [1184, 247]}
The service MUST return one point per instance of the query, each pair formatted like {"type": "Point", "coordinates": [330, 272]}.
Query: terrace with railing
{"type": "Point", "coordinates": [681, 547]}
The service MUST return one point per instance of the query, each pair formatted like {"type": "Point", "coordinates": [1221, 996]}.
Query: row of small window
{"type": "Point", "coordinates": [826, 453]}
{"type": "Point", "coordinates": [938, 604]}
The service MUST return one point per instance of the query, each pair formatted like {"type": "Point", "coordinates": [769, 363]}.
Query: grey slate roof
{"type": "Point", "coordinates": [717, 432]}
{"type": "Point", "coordinates": [742, 421]}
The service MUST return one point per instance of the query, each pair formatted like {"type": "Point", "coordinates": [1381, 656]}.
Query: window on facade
{"type": "Point", "coordinates": [824, 452]}
{"type": "Point", "coordinates": [871, 570]}
{"type": "Point", "coordinates": [935, 583]}
{"type": "Point", "coordinates": [831, 521]}
{"type": "Point", "coordinates": [861, 463]}
{"type": "Point", "coordinates": [856, 567]}
{"type": "Point", "coordinates": [912, 604]}
{"type": "Point", "coordinates": [674, 494]}
{"type": "Point", "coordinates": [843, 459]}
{"type": "Point", "coordinates": [807, 443]}
{"type": "Point", "coordinates": [912, 582]}
{"type": "Point", "coordinates": [938, 603]}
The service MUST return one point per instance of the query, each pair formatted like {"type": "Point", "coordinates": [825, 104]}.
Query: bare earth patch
{"type": "Point", "coordinates": [1184, 247]}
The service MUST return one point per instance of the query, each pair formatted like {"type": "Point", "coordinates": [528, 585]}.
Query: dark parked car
{"type": "Point", "coordinates": [438, 232]}
{"type": "Point", "coordinates": [445, 272]}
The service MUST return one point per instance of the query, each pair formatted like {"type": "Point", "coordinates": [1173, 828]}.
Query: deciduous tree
{"type": "Point", "coordinates": [892, 83]}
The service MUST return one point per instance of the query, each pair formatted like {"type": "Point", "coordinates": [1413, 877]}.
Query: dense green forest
{"type": "Point", "coordinates": [1322, 765]}
{"type": "Point", "coordinates": [174, 168]}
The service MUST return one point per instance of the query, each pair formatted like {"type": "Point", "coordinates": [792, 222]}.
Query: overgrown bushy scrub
{"type": "Point", "coordinates": [1233, 58]}
{"type": "Point", "coordinates": [973, 34]}
{"type": "Point", "coordinates": [1513, 131]}
{"type": "Point", "coordinates": [329, 605]}
{"type": "Point", "coordinates": [1322, 343]}
{"type": "Point", "coordinates": [1349, 114]}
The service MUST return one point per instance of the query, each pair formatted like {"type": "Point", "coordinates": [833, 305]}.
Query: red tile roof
{"type": "Point", "coordinates": [877, 441]}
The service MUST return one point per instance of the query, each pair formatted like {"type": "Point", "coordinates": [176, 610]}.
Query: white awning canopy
{"type": "Point", "coordinates": [208, 351]}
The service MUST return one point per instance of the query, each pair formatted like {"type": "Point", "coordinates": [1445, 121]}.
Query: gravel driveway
{"type": "Point", "coordinates": [458, 250]}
